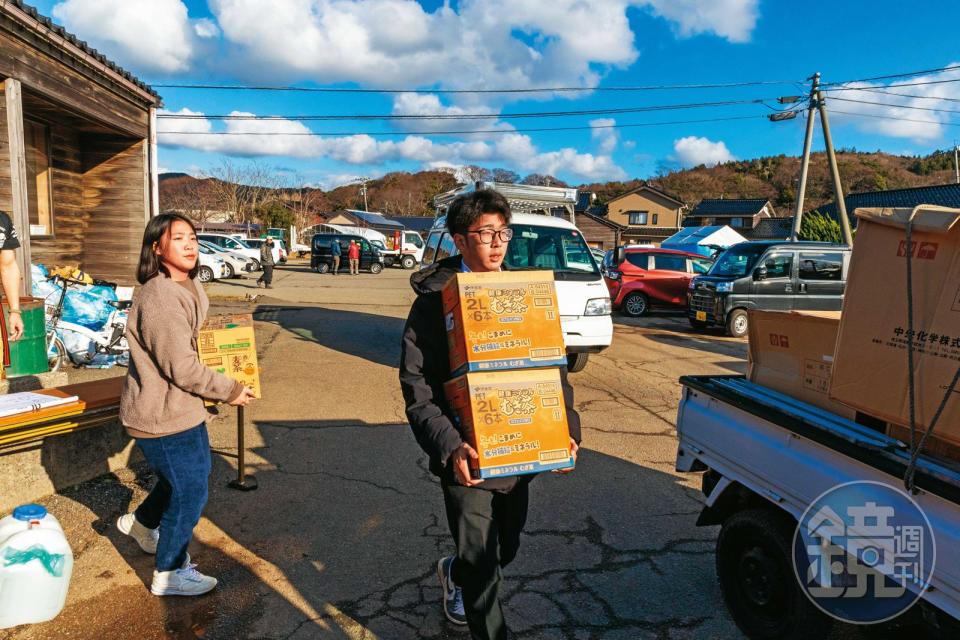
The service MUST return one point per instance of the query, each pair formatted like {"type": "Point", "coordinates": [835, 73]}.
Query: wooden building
{"type": "Point", "coordinates": [599, 232]}
{"type": "Point", "coordinates": [648, 214]}
{"type": "Point", "coordinates": [78, 162]}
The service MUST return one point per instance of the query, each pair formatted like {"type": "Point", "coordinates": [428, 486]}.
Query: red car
{"type": "Point", "coordinates": [653, 278]}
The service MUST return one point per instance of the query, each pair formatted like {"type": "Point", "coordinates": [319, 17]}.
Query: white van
{"type": "Point", "coordinates": [546, 242]}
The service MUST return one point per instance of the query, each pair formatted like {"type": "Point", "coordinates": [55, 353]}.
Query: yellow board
{"type": "Point", "coordinates": [515, 420]}
{"type": "Point", "coordinates": [503, 320]}
{"type": "Point", "coordinates": [227, 345]}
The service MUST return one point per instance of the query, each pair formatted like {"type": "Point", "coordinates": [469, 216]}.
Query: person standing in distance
{"type": "Point", "coordinates": [485, 517]}
{"type": "Point", "coordinates": [353, 254]}
{"type": "Point", "coordinates": [335, 252]}
{"type": "Point", "coordinates": [267, 262]}
{"type": "Point", "coordinates": [161, 404]}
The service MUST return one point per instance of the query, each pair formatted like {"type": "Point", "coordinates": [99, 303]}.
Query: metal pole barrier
{"type": "Point", "coordinates": [243, 481]}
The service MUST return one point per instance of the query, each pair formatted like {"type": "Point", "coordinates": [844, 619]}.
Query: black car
{"type": "Point", "coordinates": [321, 259]}
{"type": "Point", "coordinates": [775, 276]}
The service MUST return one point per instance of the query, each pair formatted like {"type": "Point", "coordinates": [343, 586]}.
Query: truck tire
{"type": "Point", "coordinates": [323, 267]}
{"type": "Point", "coordinates": [205, 274]}
{"type": "Point", "coordinates": [577, 361]}
{"type": "Point", "coordinates": [408, 262]}
{"type": "Point", "coordinates": [737, 323]}
{"type": "Point", "coordinates": [376, 268]}
{"type": "Point", "coordinates": [635, 305]}
{"type": "Point", "coordinates": [755, 568]}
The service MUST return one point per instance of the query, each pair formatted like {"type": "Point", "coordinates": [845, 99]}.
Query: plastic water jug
{"type": "Point", "coordinates": [35, 566]}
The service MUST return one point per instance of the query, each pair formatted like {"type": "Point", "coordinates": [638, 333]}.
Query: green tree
{"type": "Point", "coordinates": [274, 214]}
{"type": "Point", "coordinates": [818, 227]}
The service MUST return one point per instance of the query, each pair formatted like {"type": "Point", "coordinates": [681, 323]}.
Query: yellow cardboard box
{"type": "Point", "coordinates": [503, 320]}
{"type": "Point", "coordinates": [227, 345]}
{"type": "Point", "coordinates": [516, 421]}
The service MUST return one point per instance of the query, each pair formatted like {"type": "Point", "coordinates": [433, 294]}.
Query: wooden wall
{"type": "Point", "coordinates": [596, 233]}
{"type": "Point", "coordinates": [6, 195]}
{"type": "Point", "coordinates": [70, 216]}
{"type": "Point", "coordinates": [114, 198]}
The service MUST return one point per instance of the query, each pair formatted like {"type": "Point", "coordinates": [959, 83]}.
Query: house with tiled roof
{"type": "Point", "coordinates": [647, 214]}
{"type": "Point", "coordinates": [945, 195]}
{"type": "Point", "coordinates": [742, 214]}
{"type": "Point", "coordinates": [78, 172]}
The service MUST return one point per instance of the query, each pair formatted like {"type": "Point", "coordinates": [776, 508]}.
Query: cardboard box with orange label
{"type": "Point", "coordinates": [516, 421]}
{"type": "Point", "coordinates": [504, 320]}
{"type": "Point", "coordinates": [227, 345]}
{"type": "Point", "coordinates": [792, 352]}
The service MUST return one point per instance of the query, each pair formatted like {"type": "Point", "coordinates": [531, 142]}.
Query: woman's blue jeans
{"type": "Point", "coordinates": [182, 464]}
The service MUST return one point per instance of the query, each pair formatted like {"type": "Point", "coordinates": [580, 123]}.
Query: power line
{"type": "Point", "coordinates": [871, 115]}
{"type": "Point", "coordinates": [897, 106]}
{"type": "Point", "coordinates": [896, 75]}
{"type": "Point", "coordinates": [909, 95]}
{"type": "Point", "coordinates": [447, 133]}
{"type": "Point", "coordinates": [664, 87]}
{"type": "Point", "coordinates": [464, 116]}
{"type": "Point", "coordinates": [891, 86]}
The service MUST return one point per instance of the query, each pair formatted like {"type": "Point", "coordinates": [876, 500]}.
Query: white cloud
{"type": "Point", "coordinates": [604, 134]}
{"type": "Point", "coordinates": [897, 116]}
{"type": "Point", "coordinates": [692, 151]}
{"type": "Point", "coordinates": [206, 28]}
{"type": "Point", "coordinates": [730, 19]}
{"type": "Point", "coordinates": [149, 35]}
{"type": "Point", "coordinates": [429, 104]}
{"type": "Point", "coordinates": [293, 139]}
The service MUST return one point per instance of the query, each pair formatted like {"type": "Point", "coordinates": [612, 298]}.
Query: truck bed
{"type": "Point", "coordinates": [791, 452]}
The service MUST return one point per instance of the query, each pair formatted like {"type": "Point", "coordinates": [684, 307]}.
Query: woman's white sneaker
{"type": "Point", "coordinates": [186, 581]}
{"type": "Point", "coordinates": [146, 538]}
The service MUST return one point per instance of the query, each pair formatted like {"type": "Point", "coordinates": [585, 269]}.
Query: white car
{"type": "Point", "coordinates": [237, 263]}
{"type": "Point", "coordinates": [212, 267]}
{"type": "Point", "coordinates": [279, 252]}
{"type": "Point", "coordinates": [233, 244]}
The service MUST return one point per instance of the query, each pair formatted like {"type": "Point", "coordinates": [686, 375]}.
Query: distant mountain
{"type": "Point", "coordinates": [775, 177]}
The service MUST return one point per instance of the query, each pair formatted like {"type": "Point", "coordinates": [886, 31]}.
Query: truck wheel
{"type": "Point", "coordinates": [205, 274]}
{"type": "Point", "coordinates": [577, 361]}
{"type": "Point", "coordinates": [635, 305]}
{"type": "Point", "coordinates": [737, 323]}
{"type": "Point", "coordinates": [755, 568]}
{"type": "Point", "coordinates": [376, 268]}
{"type": "Point", "coordinates": [408, 262]}
{"type": "Point", "coordinates": [323, 267]}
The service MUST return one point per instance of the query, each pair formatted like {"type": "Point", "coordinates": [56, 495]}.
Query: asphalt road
{"type": "Point", "coordinates": [342, 537]}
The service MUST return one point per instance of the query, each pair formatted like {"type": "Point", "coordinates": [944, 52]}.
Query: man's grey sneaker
{"type": "Point", "coordinates": [186, 581]}
{"type": "Point", "coordinates": [146, 538]}
{"type": "Point", "coordinates": [452, 596]}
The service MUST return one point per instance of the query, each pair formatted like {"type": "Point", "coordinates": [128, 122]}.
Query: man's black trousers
{"type": "Point", "coordinates": [486, 528]}
{"type": "Point", "coordinates": [267, 277]}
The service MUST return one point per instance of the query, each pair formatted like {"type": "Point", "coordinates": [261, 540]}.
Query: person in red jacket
{"type": "Point", "coordinates": [353, 254]}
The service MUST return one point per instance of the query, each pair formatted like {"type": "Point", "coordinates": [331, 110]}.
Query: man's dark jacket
{"type": "Point", "coordinates": [425, 366]}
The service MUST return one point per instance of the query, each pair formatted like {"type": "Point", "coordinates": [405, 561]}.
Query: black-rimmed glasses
{"type": "Point", "coordinates": [486, 235]}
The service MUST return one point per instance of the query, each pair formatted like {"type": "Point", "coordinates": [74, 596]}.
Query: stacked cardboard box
{"type": "Point", "coordinates": [227, 345]}
{"type": "Point", "coordinates": [505, 344]}
{"type": "Point", "coordinates": [871, 371]}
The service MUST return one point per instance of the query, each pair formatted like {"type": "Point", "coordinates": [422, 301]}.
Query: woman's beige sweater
{"type": "Point", "coordinates": [166, 383]}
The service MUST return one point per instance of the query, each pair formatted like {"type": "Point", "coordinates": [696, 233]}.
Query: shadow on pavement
{"type": "Point", "coordinates": [369, 336]}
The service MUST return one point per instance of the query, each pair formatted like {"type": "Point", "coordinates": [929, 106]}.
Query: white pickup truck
{"type": "Point", "coordinates": [766, 459]}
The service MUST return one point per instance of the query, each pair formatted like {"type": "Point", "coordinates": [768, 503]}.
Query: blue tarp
{"type": "Point", "coordinates": [703, 240]}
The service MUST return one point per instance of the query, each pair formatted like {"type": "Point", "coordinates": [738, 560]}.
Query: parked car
{"type": "Point", "coordinates": [233, 244]}
{"type": "Point", "coordinates": [212, 267]}
{"type": "Point", "coordinates": [779, 276]}
{"type": "Point", "coordinates": [279, 248]}
{"type": "Point", "coordinates": [321, 260]}
{"type": "Point", "coordinates": [237, 263]}
{"type": "Point", "coordinates": [653, 278]}
{"type": "Point", "coordinates": [598, 255]}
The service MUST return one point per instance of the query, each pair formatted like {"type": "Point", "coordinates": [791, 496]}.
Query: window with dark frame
{"type": "Point", "coordinates": [39, 189]}
{"type": "Point", "coordinates": [655, 217]}
{"type": "Point", "coordinates": [637, 217]}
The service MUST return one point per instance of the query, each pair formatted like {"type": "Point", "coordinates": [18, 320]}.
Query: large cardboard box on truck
{"type": "Point", "coordinates": [503, 320]}
{"type": "Point", "coordinates": [870, 370]}
{"type": "Point", "coordinates": [792, 352]}
{"type": "Point", "coordinates": [227, 345]}
{"type": "Point", "coordinates": [515, 420]}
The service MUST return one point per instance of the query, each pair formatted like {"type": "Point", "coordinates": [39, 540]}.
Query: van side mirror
{"type": "Point", "coordinates": [619, 255]}
{"type": "Point", "coordinates": [760, 273]}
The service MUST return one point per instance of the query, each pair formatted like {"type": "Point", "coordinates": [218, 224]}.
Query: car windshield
{"type": "Point", "coordinates": [737, 261]}
{"type": "Point", "coordinates": [562, 251]}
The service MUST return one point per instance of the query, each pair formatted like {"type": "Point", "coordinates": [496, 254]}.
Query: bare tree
{"type": "Point", "coordinates": [505, 175]}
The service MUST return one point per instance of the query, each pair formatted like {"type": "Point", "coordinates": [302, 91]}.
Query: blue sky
{"type": "Point", "coordinates": [495, 44]}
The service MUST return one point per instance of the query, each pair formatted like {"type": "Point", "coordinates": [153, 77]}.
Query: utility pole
{"type": "Point", "coordinates": [834, 171]}
{"type": "Point", "coordinates": [363, 190]}
{"type": "Point", "coordinates": [956, 160]}
{"type": "Point", "coordinates": [805, 159]}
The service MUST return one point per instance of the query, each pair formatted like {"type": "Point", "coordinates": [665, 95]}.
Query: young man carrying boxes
{"type": "Point", "coordinates": [486, 516]}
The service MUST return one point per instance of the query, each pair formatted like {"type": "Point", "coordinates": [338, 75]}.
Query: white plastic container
{"type": "Point", "coordinates": [35, 567]}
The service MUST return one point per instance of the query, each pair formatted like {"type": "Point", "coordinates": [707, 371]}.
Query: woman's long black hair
{"type": "Point", "coordinates": [150, 263]}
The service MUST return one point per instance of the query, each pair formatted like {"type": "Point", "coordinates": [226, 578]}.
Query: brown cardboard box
{"type": "Point", "coordinates": [870, 371]}
{"type": "Point", "coordinates": [935, 446]}
{"type": "Point", "coordinates": [516, 420]}
{"type": "Point", "coordinates": [503, 320]}
{"type": "Point", "coordinates": [227, 345]}
{"type": "Point", "coordinates": [792, 352]}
